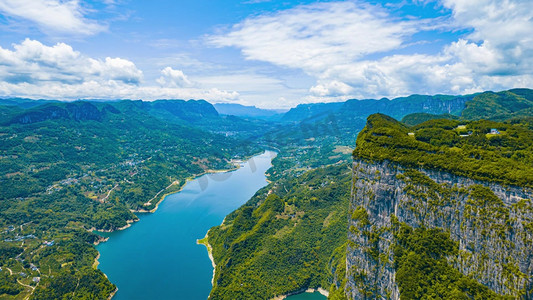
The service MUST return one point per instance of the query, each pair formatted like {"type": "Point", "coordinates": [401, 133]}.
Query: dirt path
{"type": "Point", "coordinates": [23, 284]}
{"type": "Point", "coordinates": [150, 201]}
{"type": "Point", "coordinates": [109, 193]}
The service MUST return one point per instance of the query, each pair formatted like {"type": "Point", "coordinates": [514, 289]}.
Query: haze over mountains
{"type": "Point", "coordinates": [488, 104]}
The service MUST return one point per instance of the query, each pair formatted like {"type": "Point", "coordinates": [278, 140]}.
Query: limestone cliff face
{"type": "Point", "coordinates": [492, 223]}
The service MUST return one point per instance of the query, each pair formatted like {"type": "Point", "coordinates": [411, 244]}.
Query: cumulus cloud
{"type": "Point", "coordinates": [31, 62]}
{"type": "Point", "coordinates": [34, 70]}
{"type": "Point", "coordinates": [333, 42]}
{"type": "Point", "coordinates": [53, 15]}
{"type": "Point", "coordinates": [111, 90]}
{"type": "Point", "coordinates": [331, 89]}
{"type": "Point", "coordinates": [173, 78]}
{"type": "Point", "coordinates": [502, 39]}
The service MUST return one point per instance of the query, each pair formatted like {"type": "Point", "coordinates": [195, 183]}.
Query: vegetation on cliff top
{"type": "Point", "coordinates": [472, 149]}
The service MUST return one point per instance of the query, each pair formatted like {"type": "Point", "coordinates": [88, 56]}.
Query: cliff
{"type": "Point", "coordinates": [441, 214]}
{"type": "Point", "coordinates": [77, 111]}
{"type": "Point", "coordinates": [492, 223]}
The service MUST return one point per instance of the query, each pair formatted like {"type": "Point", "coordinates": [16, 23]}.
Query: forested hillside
{"type": "Point", "coordinates": [291, 236]}
{"type": "Point", "coordinates": [484, 150]}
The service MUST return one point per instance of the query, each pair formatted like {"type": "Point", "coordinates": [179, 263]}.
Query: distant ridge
{"type": "Point", "coordinates": [517, 103]}
{"type": "Point", "coordinates": [246, 111]}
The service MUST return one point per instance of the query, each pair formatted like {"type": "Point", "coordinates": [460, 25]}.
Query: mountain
{"type": "Point", "coordinates": [396, 108]}
{"type": "Point", "coordinates": [307, 111]}
{"type": "Point", "coordinates": [323, 133]}
{"type": "Point", "coordinates": [76, 111]}
{"type": "Point", "coordinates": [190, 111]}
{"type": "Point", "coordinates": [440, 198]}
{"type": "Point", "coordinates": [400, 107]}
{"type": "Point", "coordinates": [514, 103]}
{"type": "Point", "coordinates": [23, 102]}
{"type": "Point", "coordinates": [436, 213]}
{"type": "Point", "coordinates": [247, 111]}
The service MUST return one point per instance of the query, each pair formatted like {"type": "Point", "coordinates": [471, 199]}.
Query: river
{"type": "Point", "coordinates": [157, 257]}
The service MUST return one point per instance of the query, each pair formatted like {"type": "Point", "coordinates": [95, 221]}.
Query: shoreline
{"type": "Point", "coordinates": [205, 242]}
{"type": "Point", "coordinates": [322, 291]}
{"type": "Point", "coordinates": [112, 293]}
{"type": "Point", "coordinates": [96, 262]}
{"type": "Point", "coordinates": [236, 165]}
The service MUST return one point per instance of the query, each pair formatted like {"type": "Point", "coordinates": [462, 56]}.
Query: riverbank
{"type": "Point", "coordinates": [193, 206]}
{"type": "Point", "coordinates": [112, 294]}
{"type": "Point", "coordinates": [322, 291]}
{"type": "Point", "coordinates": [236, 165]}
{"type": "Point", "coordinates": [205, 242]}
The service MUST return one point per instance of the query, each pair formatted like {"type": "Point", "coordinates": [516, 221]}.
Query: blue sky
{"type": "Point", "coordinates": [260, 52]}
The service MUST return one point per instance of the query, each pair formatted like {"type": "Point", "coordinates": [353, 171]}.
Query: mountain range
{"type": "Point", "coordinates": [67, 168]}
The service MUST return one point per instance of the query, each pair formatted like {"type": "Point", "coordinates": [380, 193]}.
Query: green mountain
{"type": "Point", "coordinates": [500, 106]}
{"type": "Point", "coordinates": [437, 144]}
{"type": "Point", "coordinates": [396, 108]}
{"type": "Point", "coordinates": [441, 214]}
{"type": "Point", "coordinates": [311, 111]}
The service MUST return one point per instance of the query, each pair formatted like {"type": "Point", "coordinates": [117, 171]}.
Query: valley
{"type": "Point", "coordinates": [329, 218]}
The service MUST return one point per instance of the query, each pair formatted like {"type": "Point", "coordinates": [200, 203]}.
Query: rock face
{"type": "Point", "coordinates": [492, 223]}
{"type": "Point", "coordinates": [190, 111]}
{"type": "Point", "coordinates": [78, 111]}
{"type": "Point", "coordinates": [400, 107]}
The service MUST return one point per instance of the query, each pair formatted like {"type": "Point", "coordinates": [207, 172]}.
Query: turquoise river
{"type": "Point", "coordinates": [158, 258]}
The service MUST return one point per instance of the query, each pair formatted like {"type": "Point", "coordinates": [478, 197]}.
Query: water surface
{"type": "Point", "coordinates": [157, 257]}
{"type": "Point", "coordinates": [307, 296]}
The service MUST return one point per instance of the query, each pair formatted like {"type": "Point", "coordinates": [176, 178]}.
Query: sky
{"type": "Point", "coordinates": [271, 54]}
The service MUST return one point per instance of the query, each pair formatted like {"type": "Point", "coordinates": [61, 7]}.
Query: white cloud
{"type": "Point", "coordinates": [111, 90]}
{"type": "Point", "coordinates": [173, 78]}
{"type": "Point", "coordinates": [502, 39]}
{"type": "Point", "coordinates": [63, 16]}
{"type": "Point", "coordinates": [331, 89]}
{"type": "Point", "coordinates": [31, 61]}
{"type": "Point", "coordinates": [332, 42]}
{"type": "Point", "coordinates": [35, 70]}
{"type": "Point", "coordinates": [314, 37]}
